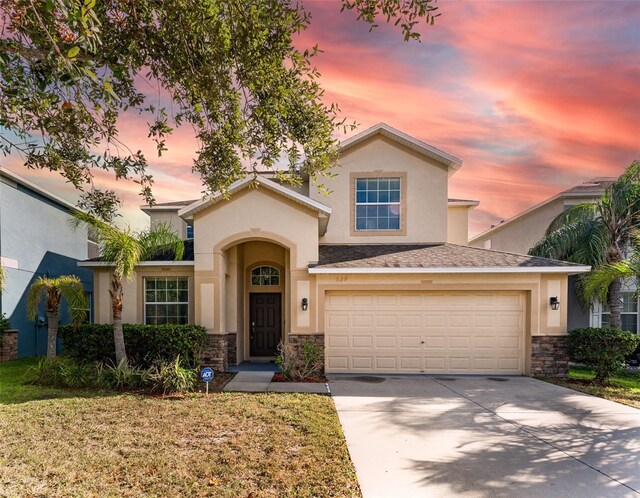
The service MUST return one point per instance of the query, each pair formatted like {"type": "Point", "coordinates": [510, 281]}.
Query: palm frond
{"type": "Point", "coordinates": [575, 214]}
{"type": "Point", "coordinates": [596, 283]}
{"type": "Point", "coordinates": [160, 238]}
{"type": "Point", "coordinates": [72, 291]}
{"type": "Point", "coordinates": [563, 242]}
{"type": "Point", "coordinates": [69, 287]}
{"type": "Point", "coordinates": [36, 292]}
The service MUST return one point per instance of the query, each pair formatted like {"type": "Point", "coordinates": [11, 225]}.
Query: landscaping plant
{"type": "Point", "coordinates": [172, 377]}
{"type": "Point", "coordinates": [299, 363]}
{"type": "Point", "coordinates": [604, 349]}
{"type": "Point", "coordinates": [125, 249]}
{"type": "Point", "coordinates": [145, 344]}
{"type": "Point", "coordinates": [54, 290]}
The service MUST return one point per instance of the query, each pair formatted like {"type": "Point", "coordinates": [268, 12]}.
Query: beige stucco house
{"type": "Point", "coordinates": [521, 232]}
{"type": "Point", "coordinates": [378, 271]}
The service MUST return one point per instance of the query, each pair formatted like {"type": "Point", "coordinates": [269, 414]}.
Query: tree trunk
{"type": "Point", "coordinates": [615, 304]}
{"type": "Point", "coordinates": [52, 334]}
{"type": "Point", "coordinates": [118, 335]}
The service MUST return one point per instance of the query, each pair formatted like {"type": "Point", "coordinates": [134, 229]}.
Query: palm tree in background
{"type": "Point", "coordinates": [598, 234]}
{"type": "Point", "coordinates": [125, 249]}
{"type": "Point", "coordinates": [54, 290]}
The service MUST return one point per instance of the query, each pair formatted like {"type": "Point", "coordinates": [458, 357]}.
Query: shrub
{"type": "Point", "coordinates": [122, 376]}
{"type": "Point", "coordinates": [145, 344]}
{"type": "Point", "coordinates": [604, 349]}
{"type": "Point", "coordinates": [4, 323]}
{"type": "Point", "coordinates": [172, 377]}
{"type": "Point", "coordinates": [48, 372]}
{"type": "Point", "coordinates": [298, 363]}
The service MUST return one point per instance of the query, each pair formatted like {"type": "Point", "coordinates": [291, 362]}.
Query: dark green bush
{"type": "Point", "coordinates": [145, 344]}
{"type": "Point", "coordinates": [604, 349]}
{"type": "Point", "coordinates": [4, 323]}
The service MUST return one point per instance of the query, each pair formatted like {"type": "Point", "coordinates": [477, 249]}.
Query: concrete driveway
{"type": "Point", "coordinates": [477, 437]}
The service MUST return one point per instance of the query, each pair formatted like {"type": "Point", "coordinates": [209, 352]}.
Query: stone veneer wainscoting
{"type": "Point", "coordinates": [8, 345]}
{"type": "Point", "coordinates": [550, 355]}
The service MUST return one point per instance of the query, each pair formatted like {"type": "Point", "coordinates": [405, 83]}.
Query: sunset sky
{"type": "Point", "coordinates": [534, 97]}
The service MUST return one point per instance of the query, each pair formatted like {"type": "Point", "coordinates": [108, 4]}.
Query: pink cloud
{"type": "Point", "coordinates": [535, 97]}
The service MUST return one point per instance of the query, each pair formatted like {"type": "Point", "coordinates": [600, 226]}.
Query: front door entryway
{"type": "Point", "coordinates": [264, 323]}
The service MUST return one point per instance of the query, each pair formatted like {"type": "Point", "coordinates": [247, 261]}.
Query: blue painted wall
{"type": "Point", "coordinates": [36, 239]}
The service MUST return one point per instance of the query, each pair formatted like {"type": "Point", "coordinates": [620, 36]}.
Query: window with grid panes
{"type": "Point", "coordinates": [166, 300]}
{"type": "Point", "coordinates": [265, 275]}
{"type": "Point", "coordinates": [629, 316]}
{"type": "Point", "coordinates": [377, 203]}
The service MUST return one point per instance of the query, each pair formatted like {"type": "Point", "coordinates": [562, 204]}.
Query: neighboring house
{"type": "Point", "coordinates": [521, 232]}
{"type": "Point", "coordinates": [36, 239]}
{"type": "Point", "coordinates": [370, 271]}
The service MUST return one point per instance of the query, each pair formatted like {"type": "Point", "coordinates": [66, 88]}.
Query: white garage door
{"type": "Point", "coordinates": [424, 332]}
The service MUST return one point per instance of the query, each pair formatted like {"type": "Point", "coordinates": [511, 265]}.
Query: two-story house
{"type": "Point", "coordinates": [36, 239]}
{"type": "Point", "coordinates": [521, 232]}
{"type": "Point", "coordinates": [378, 271]}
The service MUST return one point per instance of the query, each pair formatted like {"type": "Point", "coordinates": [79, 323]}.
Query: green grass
{"type": "Point", "coordinates": [56, 442]}
{"type": "Point", "coordinates": [624, 387]}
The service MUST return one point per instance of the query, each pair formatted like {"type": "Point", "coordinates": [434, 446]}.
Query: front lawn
{"type": "Point", "coordinates": [86, 443]}
{"type": "Point", "coordinates": [623, 387]}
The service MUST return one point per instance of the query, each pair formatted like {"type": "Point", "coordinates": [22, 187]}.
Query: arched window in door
{"type": "Point", "coordinates": [265, 275]}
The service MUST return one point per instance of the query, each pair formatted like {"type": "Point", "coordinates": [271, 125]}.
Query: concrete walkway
{"type": "Point", "coordinates": [260, 382]}
{"type": "Point", "coordinates": [486, 437]}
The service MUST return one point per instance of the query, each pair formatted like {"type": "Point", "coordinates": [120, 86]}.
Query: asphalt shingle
{"type": "Point", "coordinates": [426, 256]}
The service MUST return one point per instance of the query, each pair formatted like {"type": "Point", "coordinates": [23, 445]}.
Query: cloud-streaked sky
{"type": "Point", "coordinates": [534, 97]}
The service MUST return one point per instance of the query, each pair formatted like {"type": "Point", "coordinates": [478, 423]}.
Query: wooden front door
{"type": "Point", "coordinates": [264, 323]}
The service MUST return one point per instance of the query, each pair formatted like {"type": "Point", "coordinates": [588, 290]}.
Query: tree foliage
{"type": "Point", "coordinates": [598, 234]}
{"type": "Point", "coordinates": [70, 69]}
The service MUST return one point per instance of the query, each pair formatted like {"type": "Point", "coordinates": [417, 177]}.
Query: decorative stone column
{"type": "Point", "coordinates": [550, 355]}
{"type": "Point", "coordinates": [215, 353]}
{"type": "Point", "coordinates": [8, 344]}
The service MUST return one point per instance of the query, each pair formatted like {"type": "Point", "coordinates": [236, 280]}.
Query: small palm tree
{"type": "Point", "coordinates": [126, 248]}
{"type": "Point", "coordinates": [598, 234]}
{"type": "Point", "coordinates": [67, 287]}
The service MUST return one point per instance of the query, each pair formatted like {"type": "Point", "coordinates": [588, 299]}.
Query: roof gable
{"type": "Point", "coordinates": [383, 129]}
{"type": "Point", "coordinates": [189, 211]}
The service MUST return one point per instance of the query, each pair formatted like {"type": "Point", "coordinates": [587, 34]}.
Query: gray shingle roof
{"type": "Point", "coordinates": [427, 256]}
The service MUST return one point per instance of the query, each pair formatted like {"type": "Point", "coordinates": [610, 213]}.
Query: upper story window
{"type": "Point", "coordinates": [189, 231]}
{"type": "Point", "coordinates": [265, 275]}
{"type": "Point", "coordinates": [378, 203]}
{"type": "Point", "coordinates": [166, 300]}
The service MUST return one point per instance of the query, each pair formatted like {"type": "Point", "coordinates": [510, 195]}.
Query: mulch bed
{"type": "Point", "coordinates": [279, 377]}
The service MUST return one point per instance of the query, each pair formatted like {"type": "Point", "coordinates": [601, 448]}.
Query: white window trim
{"type": "Point", "coordinates": [356, 204]}
{"type": "Point", "coordinates": [144, 300]}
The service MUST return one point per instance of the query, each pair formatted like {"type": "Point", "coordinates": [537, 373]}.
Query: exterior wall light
{"type": "Point", "coordinates": [305, 304]}
{"type": "Point", "coordinates": [555, 304]}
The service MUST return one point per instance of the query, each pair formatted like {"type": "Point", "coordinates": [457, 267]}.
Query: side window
{"type": "Point", "coordinates": [166, 300]}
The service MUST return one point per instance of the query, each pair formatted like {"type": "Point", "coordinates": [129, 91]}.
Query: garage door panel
{"type": "Point", "coordinates": [410, 321]}
{"type": "Point", "coordinates": [362, 341]}
{"type": "Point", "coordinates": [431, 332]}
{"type": "Point", "coordinates": [362, 362]}
{"type": "Point", "coordinates": [386, 341]}
{"type": "Point", "coordinates": [386, 363]}
{"type": "Point", "coordinates": [410, 342]}
{"type": "Point", "coordinates": [336, 341]}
